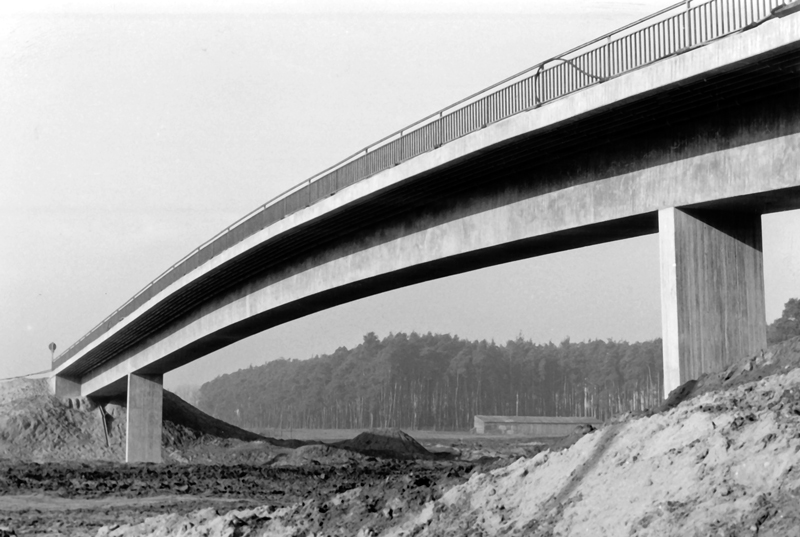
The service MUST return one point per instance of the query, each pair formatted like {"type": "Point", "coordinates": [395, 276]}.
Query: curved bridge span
{"type": "Point", "coordinates": [686, 124]}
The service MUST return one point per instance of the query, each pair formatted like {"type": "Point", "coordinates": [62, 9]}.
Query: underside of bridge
{"type": "Point", "coordinates": [698, 162]}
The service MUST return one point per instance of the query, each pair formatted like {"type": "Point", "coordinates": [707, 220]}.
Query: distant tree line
{"type": "Point", "coordinates": [436, 381]}
{"type": "Point", "coordinates": [440, 382]}
{"type": "Point", "coordinates": [787, 325]}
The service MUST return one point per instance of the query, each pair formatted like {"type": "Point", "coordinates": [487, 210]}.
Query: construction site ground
{"type": "Point", "coordinates": [720, 457]}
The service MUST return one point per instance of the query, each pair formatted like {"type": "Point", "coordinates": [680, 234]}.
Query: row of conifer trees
{"type": "Point", "coordinates": [436, 381]}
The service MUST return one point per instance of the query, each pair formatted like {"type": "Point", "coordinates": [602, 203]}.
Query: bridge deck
{"type": "Point", "coordinates": [671, 31]}
{"type": "Point", "coordinates": [501, 164]}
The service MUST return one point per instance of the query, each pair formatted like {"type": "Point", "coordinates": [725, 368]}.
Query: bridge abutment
{"type": "Point", "coordinates": [65, 387]}
{"type": "Point", "coordinates": [145, 402]}
{"type": "Point", "coordinates": [712, 290]}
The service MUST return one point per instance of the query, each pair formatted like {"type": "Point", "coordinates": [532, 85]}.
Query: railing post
{"type": "Point", "coordinates": [687, 25]}
{"type": "Point", "coordinates": [438, 131]}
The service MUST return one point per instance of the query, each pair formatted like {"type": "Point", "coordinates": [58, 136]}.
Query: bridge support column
{"type": "Point", "coordinates": [145, 393]}
{"type": "Point", "coordinates": [712, 291]}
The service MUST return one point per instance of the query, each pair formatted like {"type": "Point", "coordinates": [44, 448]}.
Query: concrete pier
{"type": "Point", "coordinates": [712, 290]}
{"type": "Point", "coordinates": [145, 403]}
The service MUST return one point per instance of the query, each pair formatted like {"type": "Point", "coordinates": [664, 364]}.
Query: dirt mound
{"type": "Point", "coordinates": [779, 358]}
{"type": "Point", "coordinates": [572, 438]}
{"type": "Point", "coordinates": [21, 388]}
{"type": "Point", "coordinates": [180, 413]}
{"type": "Point", "coordinates": [722, 458]}
{"type": "Point", "coordinates": [37, 426]}
{"type": "Point", "coordinates": [391, 443]}
{"type": "Point", "coordinates": [721, 463]}
{"type": "Point", "coordinates": [319, 454]}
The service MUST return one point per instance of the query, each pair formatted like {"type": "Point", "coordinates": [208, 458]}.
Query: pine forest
{"type": "Point", "coordinates": [436, 381]}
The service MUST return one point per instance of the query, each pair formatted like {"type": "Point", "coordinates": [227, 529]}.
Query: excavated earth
{"type": "Point", "coordinates": [720, 457]}
{"type": "Point", "coordinates": [60, 469]}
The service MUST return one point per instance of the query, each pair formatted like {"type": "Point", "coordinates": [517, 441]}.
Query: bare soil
{"type": "Point", "coordinates": [720, 457]}
{"type": "Point", "coordinates": [78, 498]}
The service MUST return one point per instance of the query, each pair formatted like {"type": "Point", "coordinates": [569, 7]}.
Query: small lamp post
{"type": "Point", "coordinates": [52, 348]}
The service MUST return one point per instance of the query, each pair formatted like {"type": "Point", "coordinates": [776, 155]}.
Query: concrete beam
{"type": "Point", "coordinates": [533, 224]}
{"type": "Point", "coordinates": [712, 291]}
{"type": "Point", "coordinates": [145, 401]}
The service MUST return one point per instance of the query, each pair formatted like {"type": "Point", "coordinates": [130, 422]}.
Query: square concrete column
{"type": "Point", "coordinates": [145, 401]}
{"type": "Point", "coordinates": [712, 291]}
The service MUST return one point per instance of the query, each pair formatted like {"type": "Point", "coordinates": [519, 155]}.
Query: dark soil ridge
{"type": "Point", "coordinates": [190, 421]}
{"type": "Point", "coordinates": [179, 412]}
{"type": "Point", "coordinates": [386, 443]}
{"type": "Point", "coordinates": [374, 483]}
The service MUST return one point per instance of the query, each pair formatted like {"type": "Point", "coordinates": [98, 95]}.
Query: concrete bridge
{"type": "Point", "coordinates": [685, 124]}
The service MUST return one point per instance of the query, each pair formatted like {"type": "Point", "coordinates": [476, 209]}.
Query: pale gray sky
{"type": "Point", "coordinates": [132, 132]}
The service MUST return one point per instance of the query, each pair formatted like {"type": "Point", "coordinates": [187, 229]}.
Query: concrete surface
{"type": "Point", "coordinates": [712, 291]}
{"type": "Point", "coordinates": [590, 212]}
{"type": "Point", "coordinates": [145, 401]}
{"type": "Point", "coordinates": [65, 387]}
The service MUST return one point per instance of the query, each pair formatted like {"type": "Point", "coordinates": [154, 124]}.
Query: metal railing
{"type": "Point", "coordinates": [670, 31]}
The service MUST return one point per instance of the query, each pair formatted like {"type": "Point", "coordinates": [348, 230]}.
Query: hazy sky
{"type": "Point", "coordinates": [132, 132]}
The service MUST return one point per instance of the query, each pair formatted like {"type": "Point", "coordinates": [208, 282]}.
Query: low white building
{"type": "Point", "coordinates": [538, 426]}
